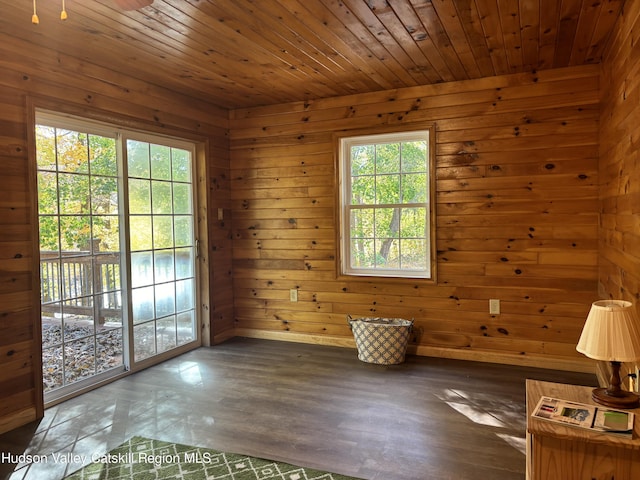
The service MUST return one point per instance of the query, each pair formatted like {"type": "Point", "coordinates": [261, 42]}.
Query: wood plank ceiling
{"type": "Point", "coordinates": [245, 53]}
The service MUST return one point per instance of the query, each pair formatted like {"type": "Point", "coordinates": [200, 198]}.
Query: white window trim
{"type": "Point", "coordinates": [344, 142]}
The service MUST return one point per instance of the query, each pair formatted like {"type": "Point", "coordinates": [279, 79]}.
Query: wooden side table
{"type": "Point", "coordinates": [558, 452]}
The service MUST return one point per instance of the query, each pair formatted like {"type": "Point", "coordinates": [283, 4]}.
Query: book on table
{"type": "Point", "coordinates": [582, 415]}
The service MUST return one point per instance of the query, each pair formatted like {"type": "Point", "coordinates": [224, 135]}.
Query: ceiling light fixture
{"type": "Point", "coordinates": [35, 20]}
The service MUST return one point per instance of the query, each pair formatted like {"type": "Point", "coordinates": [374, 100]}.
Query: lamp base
{"type": "Point", "coordinates": [622, 399]}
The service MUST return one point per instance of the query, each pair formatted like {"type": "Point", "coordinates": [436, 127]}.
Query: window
{"type": "Point", "coordinates": [386, 204]}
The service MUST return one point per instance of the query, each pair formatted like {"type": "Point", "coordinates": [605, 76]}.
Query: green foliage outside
{"type": "Point", "coordinates": [389, 187]}
{"type": "Point", "coordinates": [77, 178]}
{"type": "Point", "coordinates": [78, 193]}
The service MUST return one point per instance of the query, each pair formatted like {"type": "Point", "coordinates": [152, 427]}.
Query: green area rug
{"type": "Point", "coordinates": [146, 459]}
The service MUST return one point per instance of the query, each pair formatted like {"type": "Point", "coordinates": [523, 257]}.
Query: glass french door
{"type": "Point", "coordinates": [117, 251]}
{"type": "Point", "coordinates": [161, 222]}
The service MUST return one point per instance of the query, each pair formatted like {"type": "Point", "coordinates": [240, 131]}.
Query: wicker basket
{"type": "Point", "coordinates": [381, 340]}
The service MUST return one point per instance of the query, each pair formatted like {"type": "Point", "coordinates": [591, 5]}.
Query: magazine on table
{"type": "Point", "coordinates": [582, 415]}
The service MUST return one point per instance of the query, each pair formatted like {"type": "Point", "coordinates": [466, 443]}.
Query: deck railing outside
{"type": "Point", "coordinates": [69, 281]}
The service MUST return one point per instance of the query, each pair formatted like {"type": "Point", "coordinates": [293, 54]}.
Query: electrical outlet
{"type": "Point", "coordinates": [494, 306]}
{"type": "Point", "coordinates": [293, 295]}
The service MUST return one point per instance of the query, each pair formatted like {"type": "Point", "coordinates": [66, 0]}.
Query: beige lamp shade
{"type": "Point", "coordinates": [611, 332]}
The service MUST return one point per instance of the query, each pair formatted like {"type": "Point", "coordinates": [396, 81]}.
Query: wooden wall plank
{"type": "Point", "coordinates": [619, 275]}
{"type": "Point", "coordinates": [619, 165]}
{"type": "Point", "coordinates": [517, 215]}
{"type": "Point", "coordinates": [41, 76]}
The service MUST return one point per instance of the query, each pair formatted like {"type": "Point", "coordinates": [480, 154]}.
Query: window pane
{"type": "Point", "coordinates": [185, 326]}
{"type": "Point", "coordinates": [51, 325]}
{"type": "Point", "coordinates": [163, 232]}
{"type": "Point", "coordinates": [138, 159]}
{"type": "Point", "coordinates": [387, 158]}
{"type": "Point", "coordinates": [387, 255]}
{"type": "Point", "coordinates": [161, 198]}
{"type": "Point", "coordinates": [141, 232]}
{"type": "Point", "coordinates": [165, 299]}
{"type": "Point", "coordinates": [106, 233]}
{"type": "Point", "coordinates": [414, 188]}
{"type": "Point", "coordinates": [414, 157]}
{"type": "Point", "coordinates": [104, 195]}
{"type": "Point", "coordinates": [387, 189]}
{"type": "Point", "coordinates": [109, 345]}
{"type": "Point", "coordinates": [76, 233]}
{"type": "Point", "coordinates": [49, 234]}
{"type": "Point", "coordinates": [181, 165]}
{"type": "Point", "coordinates": [166, 333]}
{"type": "Point", "coordinates": [414, 254]}
{"type": "Point", "coordinates": [77, 276]}
{"type": "Point", "coordinates": [72, 151]}
{"type": "Point", "coordinates": [160, 162]}
{"type": "Point", "coordinates": [184, 262]}
{"type": "Point", "coordinates": [109, 308]}
{"type": "Point", "coordinates": [107, 276]}
{"type": "Point", "coordinates": [75, 325]}
{"type": "Point", "coordinates": [181, 198]}
{"type": "Point", "coordinates": [363, 160]}
{"type": "Point", "coordinates": [74, 193]}
{"type": "Point", "coordinates": [144, 345]}
{"type": "Point", "coordinates": [185, 295]}
{"type": "Point", "coordinates": [47, 193]}
{"type": "Point", "coordinates": [139, 196]}
{"type": "Point", "coordinates": [102, 156]}
{"type": "Point", "coordinates": [53, 367]}
{"type": "Point", "coordinates": [363, 253]}
{"type": "Point", "coordinates": [362, 223]}
{"type": "Point", "coordinates": [387, 222]}
{"type": "Point", "coordinates": [50, 283]}
{"type": "Point", "coordinates": [184, 231]}
{"type": "Point", "coordinates": [413, 223]}
{"type": "Point", "coordinates": [142, 304]}
{"type": "Point", "coordinates": [163, 266]}
{"type": "Point", "coordinates": [363, 190]}
{"type": "Point", "coordinates": [45, 147]}
{"type": "Point", "coordinates": [141, 269]}
{"type": "Point", "coordinates": [83, 354]}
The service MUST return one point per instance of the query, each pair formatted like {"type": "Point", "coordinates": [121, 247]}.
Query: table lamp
{"type": "Point", "coordinates": [612, 333]}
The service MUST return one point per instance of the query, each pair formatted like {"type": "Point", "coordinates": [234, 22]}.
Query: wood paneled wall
{"type": "Point", "coordinates": [517, 218]}
{"type": "Point", "coordinates": [619, 249]}
{"type": "Point", "coordinates": [517, 207]}
{"type": "Point", "coordinates": [29, 75]}
{"type": "Point", "coordinates": [620, 162]}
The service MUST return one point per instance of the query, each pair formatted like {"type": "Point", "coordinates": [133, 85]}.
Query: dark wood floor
{"type": "Point", "coordinates": [309, 405]}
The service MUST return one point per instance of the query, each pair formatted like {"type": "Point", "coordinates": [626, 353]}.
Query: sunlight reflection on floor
{"type": "Point", "coordinates": [486, 409]}
{"type": "Point", "coordinates": [190, 373]}
{"type": "Point", "coordinates": [518, 443]}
